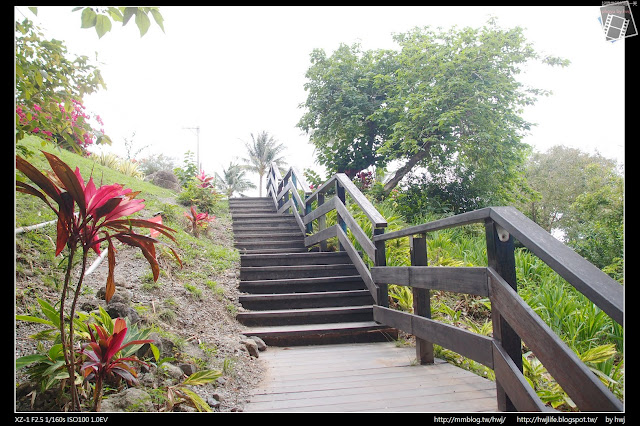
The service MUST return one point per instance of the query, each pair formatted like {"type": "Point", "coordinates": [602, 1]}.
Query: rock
{"type": "Point", "coordinates": [131, 399]}
{"type": "Point", "coordinates": [121, 310]}
{"type": "Point", "coordinates": [188, 369]}
{"type": "Point", "coordinates": [89, 305]}
{"type": "Point", "coordinates": [164, 345]}
{"type": "Point", "coordinates": [261, 345]}
{"type": "Point", "coordinates": [164, 179]}
{"type": "Point", "coordinates": [252, 347]}
{"type": "Point", "coordinates": [122, 295]}
{"type": "Point", "coordinates": [174, 371]}
{"type": "Point", "coordinates": [213, 402]}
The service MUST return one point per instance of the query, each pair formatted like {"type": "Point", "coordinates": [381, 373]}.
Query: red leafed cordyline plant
{"type": "Point", "coordinates": [198, 220]}
{"type": "Point", "coordinates": [102, 361]}
{"type": "Point", "coordinates": [99, 219]}
{"type": "Point", "coordinates": [205, 181]}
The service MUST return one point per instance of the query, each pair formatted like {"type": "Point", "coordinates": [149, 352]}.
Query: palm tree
{"type": "Point", "coordinates": [233, 180]}
{"type": "Point", "coordinates": [263, 151]}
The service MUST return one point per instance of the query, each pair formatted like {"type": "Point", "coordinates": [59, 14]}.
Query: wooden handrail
{"type": "Point", "coordinates": [358, 197]}
{"type": "Point", "coordinates": [512, 317]}
{"type": "Point", "coordinates": [600, 288]}
{"type": "Point", "coordinates": [284, 192]}
{"type": "Point", "coordinates": [509, 311]}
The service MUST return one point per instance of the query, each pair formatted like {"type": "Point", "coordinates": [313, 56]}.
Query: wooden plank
{"type": "Point", "coordinates": [584, 387]}
{"type": "Point", "coordinates": [471, 280]}
{"type": "Point", "coordinates": [471, 345]}
{"type": "Point", "coordinates": [320, 236]}
{"type": "Point", "coordinates": [522, 395]}
{"type": "Point", "coordinates": [363, 202]}
{"type": "Point", "coordinates": [322, 189]}
{"type": "Point", "coordinates": [363, 270]}
{"type": "Point", "coordinates": [367, 377]}
{"type": "Point", "coordinates": [468, 218]}
{"type": "Point", "coordinates": [360, 236]}
{"type": "Point", "coordinates": [320, 211]}
{"type": "Point", "coordinates": [421, 298]}
{"type": "Point", "coordinates": [601, 289]}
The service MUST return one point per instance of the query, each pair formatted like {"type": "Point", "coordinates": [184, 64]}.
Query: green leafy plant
{"type": "Point", "coordinates": [103, 360]}
{"type": "Point", "coordinates": [206, 199]}
{"type": "Point", "coordinates": [46, 368]}
{"type": "Point", "coordinates": [97, 220]}
{"type": "Point", "coordinates": [198, 221]}
{"type": "Point", "coordinates": [181, 393]}
{"type": "Point", "coordinates": [403, 297]}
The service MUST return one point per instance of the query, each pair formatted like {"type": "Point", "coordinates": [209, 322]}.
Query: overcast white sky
{"type": "Point", "coordinates": [234, 71]}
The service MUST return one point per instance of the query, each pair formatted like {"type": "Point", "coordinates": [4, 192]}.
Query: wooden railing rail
{"type": "Point", "coordinates": [512, 318]}
{"type": "Point", "coordinates": [340, 185]}
{"type": "Point", "coordinates": [274, 177]}
{"type": "Point", "coordinates": [285, 192]}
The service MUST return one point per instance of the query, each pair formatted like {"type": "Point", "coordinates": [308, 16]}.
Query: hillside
{"type": "Point", "coordinates": [190, 309]}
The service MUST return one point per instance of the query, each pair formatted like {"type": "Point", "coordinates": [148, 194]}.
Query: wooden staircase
{"type": "Point", "coordinates": [295, 296]}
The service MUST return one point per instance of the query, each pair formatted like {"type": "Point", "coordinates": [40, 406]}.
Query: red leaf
{"type": "Point", "coordinates": [145, 244]}
{"type": "Point", "coordinates": [39, 179]}
{"type": "Point", "coordinates": [105, 208]}
{"type": "Point", "coordinates": [69, 180]}
{"type": "Point", "coordinates": [154, 231]}
{"type": "Point", "coordinates": [111, 284]}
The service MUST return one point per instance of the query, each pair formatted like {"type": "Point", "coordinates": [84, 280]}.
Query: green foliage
{"type": "Point", "coordinates": [188, 171]}
{"type": "Point", "coordinates": [233, 180]}
{"type": "Point", "coordinates": [155, 163]}
{"type": "Point", "coordinates": [46, 368]}
{"type": "Point", "coordinates": [50, 86]}
{"type": "Point", "coordinates": [344, 91]}
{"type": "Point", "coordinates": [447, 101]}
{"type": "Point", "coordinates": [263, 150]}
{"type": "Point", "coordinates": [100, 18]}
{"type": "Point", "coordinates": [206, 200]}
{"type": "Point", "coordinates": [182, 393]}
{"type": "Point", "coordinates": [126, 167]}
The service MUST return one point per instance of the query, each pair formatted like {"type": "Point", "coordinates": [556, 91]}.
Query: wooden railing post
{"type": "Point", "coordinates": [421, 298]}
{"type": "Point", "coordinates": [322, 222]}
{"type": "Point", "coordinates": [341, 196]}
{"type": "Point", "coordinates": [307, 210]}
{"type": "Point", "coordinates": [500, 256]}
{"type": "Point", "coordinates": [381, 260]}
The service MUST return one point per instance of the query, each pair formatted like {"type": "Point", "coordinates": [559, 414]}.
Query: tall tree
{"type": "Point", "coordinates": [344, 92]}
{"type": "Point", "coordinates": [445, 98]}
{"type": "Point", "coordinates": [558, 177]}
{"type": "Point", "coordinates": [262, 151]}
{"type": "Point", "coordinates": [233, 180]}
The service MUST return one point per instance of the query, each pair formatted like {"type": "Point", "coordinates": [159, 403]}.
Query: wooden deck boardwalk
{"type": "Point", "coordinates": [366, 377]}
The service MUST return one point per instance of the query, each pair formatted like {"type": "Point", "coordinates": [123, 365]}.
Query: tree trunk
{"type": "Point", "coordinates": [402, 171]}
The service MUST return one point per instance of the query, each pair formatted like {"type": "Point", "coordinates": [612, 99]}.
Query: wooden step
{"type": "Point", "coordinates": [271, 224]}
{"type": "Point", "coordinates": [308, 258]}
{"type": "Point", "coordinates": [321, 299]}
{"type": "Point", "coordinates": [240, 230]}
{"type": "Point", "coordinates": [296, 271]}
{"type": "Point", "coordinates": [272, 251]}
{"type": "Point", "coordinates": [273, 236]}
{"type": "Point", "coordinates": [251, 215]}
{"type": "Point", "coordinates": [269, 245]}
{"type": "Point", "coordinates": [320, 334]}
{"type": "Point", "coordinates": [306, 316]}
{"type": "Point", "coordinates": [302, 285]}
